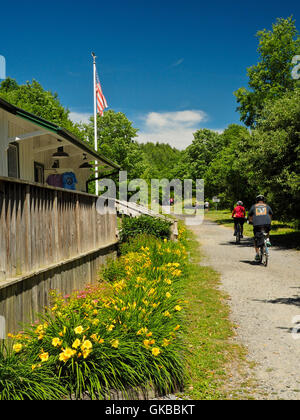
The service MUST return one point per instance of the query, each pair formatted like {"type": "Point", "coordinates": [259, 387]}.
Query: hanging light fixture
{"type": "Point", "coordinates": [55, 164]}
{"type": "Point", "coordinates": [86, 164]}
{"type": "Point", "coordinates": [60, 154]}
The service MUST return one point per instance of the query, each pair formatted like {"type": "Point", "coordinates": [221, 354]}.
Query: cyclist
{"type": "Point", "coordinates": [260, 215]}
{"type": "Point", "coordinates": [239, 216]}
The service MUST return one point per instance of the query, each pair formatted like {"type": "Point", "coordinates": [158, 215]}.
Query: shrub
{"type": "Point", "coordinates": [136, 243]}
{"type": "Point", "coordinates": [121, 334]}
{"type": "Point", "coordinates": [20, 380]}
{"type": "Point", "coordinates": [113, 271]}
{"type": "Point", "coordinates": [131, 227]}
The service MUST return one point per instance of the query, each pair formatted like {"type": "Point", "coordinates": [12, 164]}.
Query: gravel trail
{"type": "Point", "coordinates": [264, 302]}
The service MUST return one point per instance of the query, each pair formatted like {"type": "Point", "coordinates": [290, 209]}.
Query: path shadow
{"type": "Point", "coordinates": [295, 301]}
{"type": "Point", "coordinates": [250, 262]}
{"type": "Point", "coordinates": [286, 241]}
{"type": "Point", "coordinates": [245, 242]}
{"type": "Point", "coordinates": [294, 331]}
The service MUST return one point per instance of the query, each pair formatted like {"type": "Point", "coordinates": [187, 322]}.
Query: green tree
{"type": "Point", "coordinates": [271, 77]}
{"type": "Point", "coordinates": [162, 159]}
{"type": "Point", "coordinates": [227, 174]}
{"type": "Point", "coordinates": [32, 97]}
{"type": "Point", "coordinates": [273, 160]}
{"type": "Point", "coordinates": [116, 140]}
{"type": "Point", "coordinates": [206, 145]}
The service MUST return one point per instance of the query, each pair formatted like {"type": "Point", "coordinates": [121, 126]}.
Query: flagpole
{"type": "Point", "coordinates": [95, 121]}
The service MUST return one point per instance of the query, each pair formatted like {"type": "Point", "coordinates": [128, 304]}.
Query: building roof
{"type": "Point", "coordinates": [59, 131]}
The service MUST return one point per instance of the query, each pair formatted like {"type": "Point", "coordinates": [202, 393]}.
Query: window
{"type": "Point", "coordinates": [39, 173]}
{"type": "Point", "coordinates": [13, 161]}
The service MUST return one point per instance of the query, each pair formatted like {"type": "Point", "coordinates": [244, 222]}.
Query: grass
{"type": "Point", "coordinates": [283, 235]}
{"type": "Point", "coordinates": [212, 353]}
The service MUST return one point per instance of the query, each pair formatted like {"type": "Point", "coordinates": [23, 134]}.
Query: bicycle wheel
{"type": "Point", "coordinates": [261, 254]}
{"type": "Point", "coordinates": [264, 256]}
{"type": "Point", "coordinates": [238, 234]}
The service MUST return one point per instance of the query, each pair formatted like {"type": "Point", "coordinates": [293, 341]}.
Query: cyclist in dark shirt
{"type": "Point", "coordinates": [260, 215]}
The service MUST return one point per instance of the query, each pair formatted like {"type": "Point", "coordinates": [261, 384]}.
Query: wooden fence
{"type": "Point", "coordinates": [49, 238]}
{"type": "Point", "coordinates": [41, 226]}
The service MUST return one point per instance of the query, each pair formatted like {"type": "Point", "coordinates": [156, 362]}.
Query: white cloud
{"type": "Point", "coordinates": [219, 130]}
{"type": "Point", "coordinates": [175, 128]}
{"type": "Point", "coordinates": [79, 117]}
{"type": "Point", "coordinates": [178, 62]}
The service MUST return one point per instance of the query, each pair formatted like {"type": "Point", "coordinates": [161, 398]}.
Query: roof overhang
{"type": "Point", "coordinates": [46, 127]}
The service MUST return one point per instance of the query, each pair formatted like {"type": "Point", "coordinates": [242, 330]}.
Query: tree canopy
{"type": "Point", "coordinates": [162, 159]}
{"type": "Point", "coordinates": [271, 77]}
{"type": "Point", "coordinates": [32, 97]}
{"type": "Point", "coordinates": [116, 140]}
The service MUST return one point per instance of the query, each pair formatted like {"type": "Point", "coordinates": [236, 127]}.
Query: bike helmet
{"type": "Point", "coordinates": [240, 203]}
{"type": "Point", "coordinates": [260, 197]}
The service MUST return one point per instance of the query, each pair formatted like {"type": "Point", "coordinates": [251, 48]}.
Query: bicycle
{"type": "Point", "coordinates": [262, 243]}
{"type": "Point", "coordinates": [238, 234]}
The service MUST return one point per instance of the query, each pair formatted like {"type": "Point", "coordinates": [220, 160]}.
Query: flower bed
{"type": "Point", "coordinates": [124, 332]}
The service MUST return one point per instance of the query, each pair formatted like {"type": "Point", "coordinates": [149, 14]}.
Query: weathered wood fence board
{"type": "Point", "coordinates": [50, 238]}
{"type": "Point", "coordinates": [40, 226]}
{"type": "Point", "coordinates": [21, 299]}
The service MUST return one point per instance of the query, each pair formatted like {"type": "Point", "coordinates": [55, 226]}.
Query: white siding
{"type": "Point", "coordinates": [12, 126]}
{"type": "Point", "coordinates": [3, 142]}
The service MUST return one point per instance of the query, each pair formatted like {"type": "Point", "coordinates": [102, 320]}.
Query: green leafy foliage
{"type": "Point", "coordinates": [160, 228]}
{"type": "Point", "coordinates": [271, 77]}
{"type": "Point", "coordinates": [116, 140]}
{"type": "Point", "coordinates": [33, 98]}
{"type": "Point", "coordinates": [206, 145]}
{"type": "Point", "coordinates": [121, 334]}
{"type": "Point", "coordinates": [19, 381]}
{"type": "Point", "coordinates": [227, 175]}
{"type": "Point", "coordinates": [162, 159]}
{"type": "Point", "coordinates": [274, 156]}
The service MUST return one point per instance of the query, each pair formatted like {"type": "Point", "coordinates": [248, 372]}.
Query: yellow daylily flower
{"type": "Point", "coordinates": [79, 330]}
{"type": "Point", "coordinates": [63, 332]}
{"type": "Point", "coordinates": [156, 351]}
{"type": "Point", "coordinates": [166, 342]}
{"type": "Point", "coordinates": [115, 343]}
{"type": "Point", "coordinates": [56, 342]}
{"type": "Point", "coordinates": [86, 345]}
{"type": "Point", "coordinates": [86, 353]}
{"type": "Point", "coordinates": [33, 367]}
{"type": "Point", "coordinates": [17, 348]}
{"type": "Point", "coordinates": [76, 344]}
{"type": "Point", "coordinates": [66, 355]}
{"type": "Point", "coordinates": [44, 357]}
{"type": "Point", "coordinates": [110, 328]}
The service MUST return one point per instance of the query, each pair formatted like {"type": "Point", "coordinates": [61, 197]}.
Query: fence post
{"type": "Point", "coordinates": [174, 230]}
{"type": "Point", "coordinates": [55, 225]}
{"type": "Point", "coordinates": [27, 229]}
{"type": "Point", "coordinates": [3, 228]}
{"type": "Point", "coordinates": [2, 328]}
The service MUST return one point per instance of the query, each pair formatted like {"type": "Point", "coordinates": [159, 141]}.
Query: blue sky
{"type": "Point", "coordinates": [170, 66]}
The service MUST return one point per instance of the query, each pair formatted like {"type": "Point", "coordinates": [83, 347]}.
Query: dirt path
{"type": "Point", "coordinates": [264, 302]}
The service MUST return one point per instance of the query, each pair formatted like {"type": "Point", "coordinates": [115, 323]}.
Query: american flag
{"type": "Point", "coordinates": [101, 101]}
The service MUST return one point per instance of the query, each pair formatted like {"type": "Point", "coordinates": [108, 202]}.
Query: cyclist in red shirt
{"type": "Point", "coordinates": [239, 216]}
